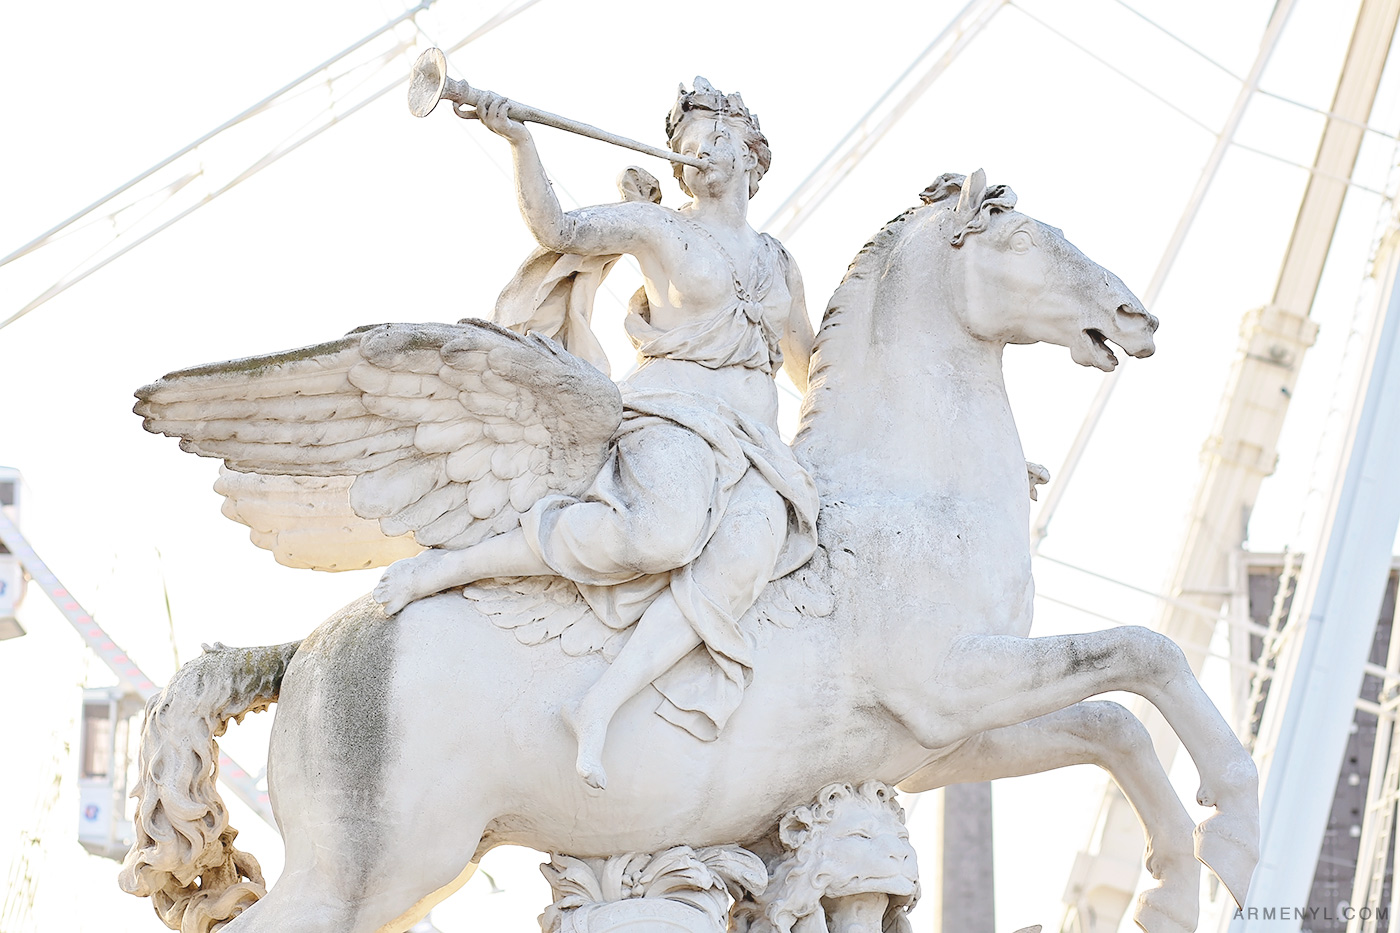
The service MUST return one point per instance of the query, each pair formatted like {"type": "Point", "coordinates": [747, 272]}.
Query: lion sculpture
{"type": "Point", "coordinates": [845, 866]}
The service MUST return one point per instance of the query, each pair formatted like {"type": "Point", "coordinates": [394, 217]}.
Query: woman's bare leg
{"type": "Point", "coordinates": [438, 569]}
{"type": "Point", "coordinates": [662, 637]}
{"type": "Point", "coordinates": [732, 571]}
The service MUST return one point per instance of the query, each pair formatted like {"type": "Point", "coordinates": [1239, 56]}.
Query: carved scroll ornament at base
{"type": "Point", "coordinates": [842, 864]}
{"type": "Point", "coordinates": [682, 889]}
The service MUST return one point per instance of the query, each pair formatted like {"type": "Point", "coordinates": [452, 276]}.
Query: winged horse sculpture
{"type": "Point", "coordinates": [407, 746]}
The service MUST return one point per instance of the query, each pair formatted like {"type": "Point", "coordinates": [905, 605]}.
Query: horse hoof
{"type": "Point", "coordinates": [1169, 909]}
{"type": "Point", "coordinates": [1229, 846]}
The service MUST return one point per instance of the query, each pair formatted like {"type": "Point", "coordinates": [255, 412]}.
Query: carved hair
{"type": "Point", "coordinates": [718, 105]}
{"type": "Point", "coordinates": [976, 202]}
{"type": "Point", "coordinates": [183, 857]}
{"type": "Point", "coordinates": [798, 877]}
{"type": "Point", "coordinates": [852, 300]}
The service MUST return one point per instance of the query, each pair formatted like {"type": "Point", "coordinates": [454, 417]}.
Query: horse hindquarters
{"type": "Point", "coordinates": [370, 835]}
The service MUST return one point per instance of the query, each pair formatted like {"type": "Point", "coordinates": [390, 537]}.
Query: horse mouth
{"type": "Point", "coordinates": [1097, 352]}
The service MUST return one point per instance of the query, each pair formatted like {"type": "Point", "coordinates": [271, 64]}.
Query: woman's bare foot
{"type": "Point", "coordinates": [424, 574]}
{"type": "Point", "coordinates": [591, 733]}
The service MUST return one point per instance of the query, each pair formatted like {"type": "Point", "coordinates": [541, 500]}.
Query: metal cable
{"type": "Point", "coordinates": [1180, 41]}
{"type": "Point", "coordinates": [1116, 70]}
{"type": "Point", "coordinates": [1330, 114]}
{"type": "Point", "coordinates": [507, 13]}
{"type": "Point", "coordinates": [231, 122]}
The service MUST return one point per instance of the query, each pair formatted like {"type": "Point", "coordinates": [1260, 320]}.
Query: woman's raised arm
{"type": "Point", "coordinates": [590, 231]}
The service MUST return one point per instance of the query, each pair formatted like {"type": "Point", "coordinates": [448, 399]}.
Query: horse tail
{"type": "Point", "coordinates": [183, 857]}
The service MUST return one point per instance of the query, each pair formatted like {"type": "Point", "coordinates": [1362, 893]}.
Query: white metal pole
{"type": "Point", "coordinates": [1303, 735]}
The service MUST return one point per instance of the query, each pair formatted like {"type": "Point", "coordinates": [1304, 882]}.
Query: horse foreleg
{"type": "Point", "coordinates": [989, 681]}
{"type": "Point", "coordinates": [1105, 734]}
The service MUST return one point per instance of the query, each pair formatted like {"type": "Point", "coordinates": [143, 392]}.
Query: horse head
{"type": "Point", "coordinates": [1023, 282]}
{"type": "Point", "coordinates": [908, 358]}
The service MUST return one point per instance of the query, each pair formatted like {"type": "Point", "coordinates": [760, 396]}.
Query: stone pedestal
{"type": "Point", "coordinates": [640, 915]}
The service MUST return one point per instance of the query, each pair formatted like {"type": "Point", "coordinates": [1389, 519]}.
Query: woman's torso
{"type": "Point", "coordinates": [713, 318]}
{"type": "Point", "coordinates": [750, 392]}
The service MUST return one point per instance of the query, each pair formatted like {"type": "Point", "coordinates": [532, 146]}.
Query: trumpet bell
{"type": "Point", "coordinates": [426, 84]}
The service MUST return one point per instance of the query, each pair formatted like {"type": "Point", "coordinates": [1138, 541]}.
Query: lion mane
{"type": "Point", "coordinates": [800, 874]}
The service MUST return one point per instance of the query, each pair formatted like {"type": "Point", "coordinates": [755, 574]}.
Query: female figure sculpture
{"type": "Point", "coordinates": [680, 532]}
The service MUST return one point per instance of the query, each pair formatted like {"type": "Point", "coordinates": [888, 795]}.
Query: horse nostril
{"type": "Point", "coordinates": [1130, 312]}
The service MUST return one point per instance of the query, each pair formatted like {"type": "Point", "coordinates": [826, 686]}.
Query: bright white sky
{"type": "Point", "coordinates": [391, 218]}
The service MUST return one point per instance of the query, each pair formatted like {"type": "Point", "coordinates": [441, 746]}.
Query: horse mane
{"type": "Point", "coordinates": [855, 293]}
{"type": "Point", "coordinates": [853, 296]}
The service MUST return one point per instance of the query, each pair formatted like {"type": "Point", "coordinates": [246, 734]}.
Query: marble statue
{"type": "Point", "coordinates": [677, 631]}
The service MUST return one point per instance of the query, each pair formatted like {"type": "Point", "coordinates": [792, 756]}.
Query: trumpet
{"type": "Point", "coordinates": [429, 84]}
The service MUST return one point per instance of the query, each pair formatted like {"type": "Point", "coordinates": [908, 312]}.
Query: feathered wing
{"type": "Point", "coordinates": [449, 431]}
{"type": "Point", "coordinates": [538, 609]}
{"type": "Point", "coordinates": [306, 521]}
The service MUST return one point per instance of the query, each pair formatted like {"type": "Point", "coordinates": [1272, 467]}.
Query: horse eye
{"type": "Point", "coordinates": [1022, 241]}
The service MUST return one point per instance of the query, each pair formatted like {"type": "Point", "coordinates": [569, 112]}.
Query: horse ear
{"type": "Point", "coordinates": [974, 189]}
{"type": "Point", "coordinates": [793, 829]}
{"type": "Point", "coordinates": [944, 186]}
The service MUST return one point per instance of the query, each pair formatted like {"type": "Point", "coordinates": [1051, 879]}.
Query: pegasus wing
{"type": "Point", "coordinates": [449, 432]}
{"type": "Point", "coordinates": [306, 521]}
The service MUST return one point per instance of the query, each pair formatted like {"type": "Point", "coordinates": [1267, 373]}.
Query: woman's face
{"type": "Point", "coordinates": [720, 146]}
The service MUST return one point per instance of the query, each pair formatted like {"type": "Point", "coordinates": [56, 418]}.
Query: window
{"type": "Point", "coordinates": [7, 497]}
{"type": "Point", "coordinates": [97, 741]}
